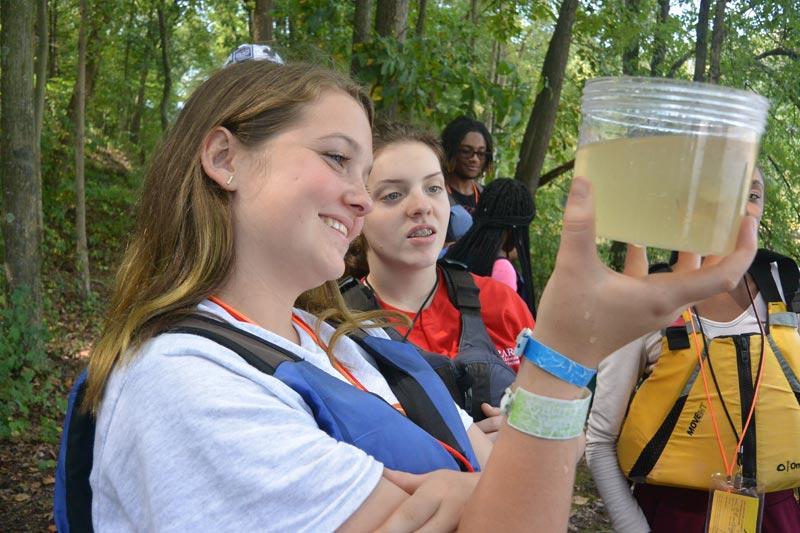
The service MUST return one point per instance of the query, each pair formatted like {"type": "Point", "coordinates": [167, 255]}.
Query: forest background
{"type": "Point", "coordinates": [89, 86]}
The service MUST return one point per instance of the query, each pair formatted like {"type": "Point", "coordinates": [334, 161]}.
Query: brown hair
{"type": "Point", "coordinates": [386, 133]}
{"type": "Point", "coordinates": [182, 246]}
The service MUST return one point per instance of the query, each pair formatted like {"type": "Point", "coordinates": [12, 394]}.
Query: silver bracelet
{"type": "Point", "coordinates": [544, 417]}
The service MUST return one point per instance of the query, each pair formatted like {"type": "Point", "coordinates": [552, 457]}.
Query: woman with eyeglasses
{"type": "Point", "coordinates": [468, 155]}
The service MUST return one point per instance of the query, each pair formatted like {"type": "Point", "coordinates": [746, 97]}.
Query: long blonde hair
{"type": "Point", "coordinates": [182, 246]}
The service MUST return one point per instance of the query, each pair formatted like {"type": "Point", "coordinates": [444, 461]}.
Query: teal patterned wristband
{"type": "Point", "coordinates": [543, 417]}
{"type": "Point", "coordinates": [551, 361]}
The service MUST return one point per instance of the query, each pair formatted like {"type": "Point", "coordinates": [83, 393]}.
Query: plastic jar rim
{"type": "Point", "coordinates": [631, 84]}
{"type": "Point", "coordinates": [613, 93]}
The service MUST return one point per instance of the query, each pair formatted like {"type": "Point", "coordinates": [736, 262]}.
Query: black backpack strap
{"type": "Point", "coordinates": [788, 273]}
{"type": "Point", "coordinates": [461, 288]}
{"type": "Point", "coordinates": [418, 406]}
{"type": "Point", "coordinates": [477, 353]}
{"type": "Point", "coordinates": [259, 353]}
{"type": "Point", "coordinates": [456, 380]}
{"type": "Point", "coordinates": [357, 296]}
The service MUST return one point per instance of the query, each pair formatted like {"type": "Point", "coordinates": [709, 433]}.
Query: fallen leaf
{"type": "Point", "coordinates": [22, 497]}
{"type": "Point", "coordinates": [580, 500]}
{"type": "Point", "coordinates": [49, 480]}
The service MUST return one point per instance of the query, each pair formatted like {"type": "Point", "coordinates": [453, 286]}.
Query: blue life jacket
{"type": "Point", "coordinates": [430, 437]}
{"type": "Point", "coordinates": [368, 422]}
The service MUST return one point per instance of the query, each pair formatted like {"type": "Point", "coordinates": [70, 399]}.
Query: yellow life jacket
{"type": "Point", "coordinates": [668, 437]}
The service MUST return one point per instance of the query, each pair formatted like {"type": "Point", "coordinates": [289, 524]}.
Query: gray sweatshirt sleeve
{"type": "Point", "coordinates": [616, 378]}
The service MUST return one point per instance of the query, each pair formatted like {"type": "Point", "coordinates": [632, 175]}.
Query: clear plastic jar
{"type": "Point", "coordinates": [671, 160]}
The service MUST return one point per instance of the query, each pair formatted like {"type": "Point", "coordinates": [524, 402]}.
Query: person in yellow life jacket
{"type": "Point", "coordinates": [737, 413]}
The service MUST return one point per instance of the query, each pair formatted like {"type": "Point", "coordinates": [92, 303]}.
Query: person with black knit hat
{"type": "Point", "coordinates": [499, 235]}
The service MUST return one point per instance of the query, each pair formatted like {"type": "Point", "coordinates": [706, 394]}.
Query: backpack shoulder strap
{"type": "Point", "coordinates": [357, 296]}
{"type": "Point", "coordinates": [455, 379]}
{"type": "Point", "coordinates": [72, 499]}
{"type": "Point", "coordinates": [461, 288]}
{"type": "Point", "coordinates": [259, 353]}
{"type": "Point", "coordinates": [761, 271]}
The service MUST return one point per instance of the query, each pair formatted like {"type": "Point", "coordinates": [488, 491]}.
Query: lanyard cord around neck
{"type": "Point", "coordinates": [336, 363]}
{"type": "Point", "coordinates": [305, 327]}
{"type": "Point", "coordinates": [421, 307]}
{"type": "Point", "coordinates": [475, 191]}
{"type": "Point", "coordinates": [692, 315]}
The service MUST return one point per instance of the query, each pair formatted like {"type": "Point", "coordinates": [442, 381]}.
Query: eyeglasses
{"type": "Point", "coordinates": [467, 153]}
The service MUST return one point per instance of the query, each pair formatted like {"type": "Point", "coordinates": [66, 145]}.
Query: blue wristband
{"type": "Point", "coordinates": [551, 361]}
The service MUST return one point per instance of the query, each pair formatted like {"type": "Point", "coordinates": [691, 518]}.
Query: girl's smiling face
{"type": "Point", "coordinates": [301, 198]}
{"type": "Point", "coordinates": [407, 226]}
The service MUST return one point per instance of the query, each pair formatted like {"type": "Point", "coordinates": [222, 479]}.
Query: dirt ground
{"type": "Point", "coordinates": [27, 474]}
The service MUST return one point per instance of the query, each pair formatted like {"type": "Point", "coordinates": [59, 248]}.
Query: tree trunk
{"type": "Point", "coordinates": [95, 39]}
{"type": "Point", "coordinates": [473, 17]}
{"type": "Point", "coordinates": [540, 125]}
{"type": "Point", "coordinates": [488, 111]}
{"type": "Point", "coordinates": [391, 18]}
{"type": "Point", "coordinates": [53, 65]}
{"type": "Point", "coordinates": [630, 53]}
{"type": "Point", "coordinates": [262, 21]}
{"type": "Point", "coordinates": [660, 39]}
{"type": "Point", "coordinates": [40, 66]}
{"type": "Point", "coordinates": [138, 111]}
{"type": "Point", "coordinates": [80, 189]}
{"type": "Point", "coordinates": [701, 48]}
{"type": "Point", "coordinates": [423, 7]}
{"type": "Point", "coordinates": [167, 92]}
{"type": "Point", "coordinates": [362, 23]}
{"type": "Point", "coordinates": [22, 234]}
{"type": "Point", "coordinates": [717, 36]}
{"type": "Point", "coordinates": [124, 111]}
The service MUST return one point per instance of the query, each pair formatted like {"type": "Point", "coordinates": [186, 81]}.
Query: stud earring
{"type": "Point", "coordinates": [230, 180]}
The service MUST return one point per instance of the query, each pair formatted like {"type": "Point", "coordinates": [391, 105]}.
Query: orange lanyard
{"type": "Point", "coordinates": [231, 311]}
{"type": "Point", "coordinates": [305, 327]}
{"type": "Point", "coordinates": [336, 364]}
{"type": "Point", "coordinates": [474, 189]}
{"type": "Point", "coordinates": [728, 466]}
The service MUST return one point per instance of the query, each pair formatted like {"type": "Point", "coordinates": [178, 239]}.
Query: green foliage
{"type": "Point", "coordinates": [27, 377]}
{"type": "Point", "coordinates": [545, 230]}
{"type": "Point", "coordinates": [446, 71]}
{"type": "Point", "coordinates": [433, 78]}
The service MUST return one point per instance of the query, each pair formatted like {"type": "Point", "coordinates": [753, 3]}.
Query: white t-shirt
{"type": "Point", "coordinates": [190, 437]}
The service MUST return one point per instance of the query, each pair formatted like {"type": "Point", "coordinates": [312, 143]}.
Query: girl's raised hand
{"type": "Point", "coordinates": [587, 310]}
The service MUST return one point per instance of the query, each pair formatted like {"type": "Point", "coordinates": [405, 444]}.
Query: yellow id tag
{"type": "Point", "coordinates": [733, 509]}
